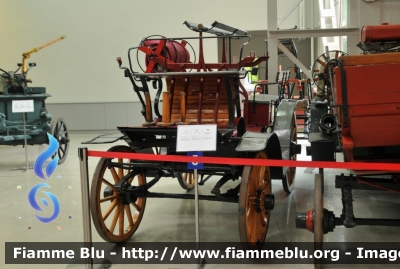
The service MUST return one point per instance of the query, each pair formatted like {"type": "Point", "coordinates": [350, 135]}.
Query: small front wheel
{"type": "Point", "coordinates": [187, 180]}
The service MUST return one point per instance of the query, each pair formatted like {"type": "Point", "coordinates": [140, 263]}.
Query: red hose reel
{"type": "Point", "coordinates": [160, 51]}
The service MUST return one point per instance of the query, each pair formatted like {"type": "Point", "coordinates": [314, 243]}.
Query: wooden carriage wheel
{"type": "Point", "coordinates": [253, 216]}
{"type": "Point", "coordinates": [319, 70]}
{"type": "Point", "coordinates": [318, 217]}
{"type": "Point", "coordinates": [288, 181]}
{"type": "Point", "coordinates": [59, 130]}
{"type": "Point", "coordinates": [186, 180]}
{"type": "Point", "coordinates": [115, 219]}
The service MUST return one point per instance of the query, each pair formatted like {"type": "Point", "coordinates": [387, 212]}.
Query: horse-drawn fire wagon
{"type": "Point", "coordinates": [196, 93]}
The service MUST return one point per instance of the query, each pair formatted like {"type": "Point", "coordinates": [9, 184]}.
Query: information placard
{"type": "Point", "coordinates": [196, 138]}
{"type": "Point", "coordinates": [22, 106]}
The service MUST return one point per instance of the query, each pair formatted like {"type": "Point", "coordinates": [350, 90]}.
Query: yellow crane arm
{"type": "Point", "coordinates": [27, 54]}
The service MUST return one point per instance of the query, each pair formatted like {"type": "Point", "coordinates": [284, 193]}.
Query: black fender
{"type": "Point", "coordinates": [268, 142]}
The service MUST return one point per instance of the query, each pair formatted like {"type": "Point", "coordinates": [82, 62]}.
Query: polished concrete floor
{"type": "Point", "coordinates": [172, 220]}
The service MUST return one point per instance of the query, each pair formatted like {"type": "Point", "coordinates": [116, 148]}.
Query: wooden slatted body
{"type": "Point", "coordinates": [206, 100]}
{"type": "Point", "coordinates": [373, 101]}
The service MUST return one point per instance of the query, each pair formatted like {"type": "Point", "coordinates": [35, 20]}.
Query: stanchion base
{"type": "Point", "coordinates": [202, 264]}
{"type": "Point", "coordinates": [97, 264]}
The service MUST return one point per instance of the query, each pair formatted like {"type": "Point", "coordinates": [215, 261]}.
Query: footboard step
{"type": "Point", "coordinates": [104, 139]}
{"type": "Point", "coordinates": [147, 124]}
{"type": "Point", "coordinates": [165, 124]}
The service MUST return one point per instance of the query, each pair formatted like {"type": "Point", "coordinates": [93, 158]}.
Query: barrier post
{"type": "Point", "coordinates": [87, 231]}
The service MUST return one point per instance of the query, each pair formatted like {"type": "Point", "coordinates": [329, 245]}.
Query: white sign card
{"type": "Point", "coordinates": [22, 106]}
{"type": "Point", "coordinates": [196, 138]}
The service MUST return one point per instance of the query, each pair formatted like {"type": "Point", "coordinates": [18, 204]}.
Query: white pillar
{"type": "Point", "coordinates": [272, 22]}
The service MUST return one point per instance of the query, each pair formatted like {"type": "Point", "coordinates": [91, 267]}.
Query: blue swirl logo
{"type": "Point", "coordinates": [44, 156]}
{"type": "Point", "coordinates": [32, 201]}
{"type": "Point", "coordinates": [44, 169]}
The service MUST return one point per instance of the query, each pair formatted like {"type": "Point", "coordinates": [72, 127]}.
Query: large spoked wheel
{"type": "Point", "coordinates": [318, 217]}
{"type": "Point", "coordinates": [288, 181]}
{"type": "Point", "coordinates": [255, 189]}
{"type": "Point", "coordinates": [59, 130]}
{"type": "Point", "coordinates": [115, 216]}
{"type": "Point", "coordinates": [187, 180]}
{"type": "Point", "coordinates": [319, 70]}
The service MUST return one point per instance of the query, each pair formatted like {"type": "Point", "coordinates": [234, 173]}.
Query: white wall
{"type": "Point", "coordinates": [82, 68]}
{"type": "Point", "coordinates": [390, 10]}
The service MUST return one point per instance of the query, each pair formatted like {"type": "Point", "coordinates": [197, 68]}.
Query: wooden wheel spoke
{"type": "Point", "coordinates": [121, 219]}
{"type": "Point", "coordinates": [129, 215]}
{"type": "Point", "coordinates": [254, 183]}
{"type": "Point", "coordinates": [108, 198]}
{"type": "Point", "coordinates": [263, 218]}
{"type": "Point", "coordinates": [261, 181]}
{"type": "Point", "coordinates": [114, 219]}
{"type": "Point", "coordinates": [321, 63]}
{"type": "Point", "coordinates": [110, 209]}
{"type": "Point", "coordinates": [120, 170]}
{"type": "Point", "coordinates": [105, 181]}
{"type": "Point", "coordinates": [251, 223]}
{"type": "Point", "coordinates": [136, 206]}
{"type": "Point", "coordinates": [115, 175]}
{"type": "Point", "coordinates": [256, 230]}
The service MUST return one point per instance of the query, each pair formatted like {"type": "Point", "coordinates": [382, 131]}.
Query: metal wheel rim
{"type": "Point", "coordinates": [321, 60]}
{"type": "Point", "coordinates": [253, 225]}
{"type": "Point", "coordinates": [114, 221]}
{"type": "Point", "coordinates": [59, 130]}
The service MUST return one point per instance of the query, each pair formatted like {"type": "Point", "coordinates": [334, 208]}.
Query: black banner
{"type": "Point", "coordinates": [210, 252]}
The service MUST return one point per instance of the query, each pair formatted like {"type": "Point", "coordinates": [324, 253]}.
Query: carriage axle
{"type": "Point", "coordinates": [347, 219]}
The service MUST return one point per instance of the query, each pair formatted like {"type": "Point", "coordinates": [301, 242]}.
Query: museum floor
{"type": "Point", "coordinates": [172, 220]}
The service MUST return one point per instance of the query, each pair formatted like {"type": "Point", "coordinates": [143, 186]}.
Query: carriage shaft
{"type": "Point", "coordinates": [191, 197]}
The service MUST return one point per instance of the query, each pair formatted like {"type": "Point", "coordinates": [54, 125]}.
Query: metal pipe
{"type": "Point", "coordinates": [26, 144]}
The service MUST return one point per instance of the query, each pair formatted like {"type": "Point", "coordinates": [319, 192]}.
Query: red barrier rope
{"type": "Point", "coordinates": [249, 161]}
